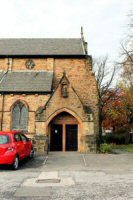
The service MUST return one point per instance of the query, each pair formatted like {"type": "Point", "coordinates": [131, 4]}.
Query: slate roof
{"type": "Point", "coordinates": [44, 47]}
{"type": "Point", "coordinates": [26, 81]}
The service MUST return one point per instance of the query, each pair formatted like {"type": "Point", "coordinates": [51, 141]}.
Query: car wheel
{"type": "Point", "coordinates": [16, 163]}
{"type": "Point", "coordinates": [31, 154]}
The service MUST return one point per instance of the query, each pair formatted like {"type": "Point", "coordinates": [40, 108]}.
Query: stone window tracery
{"type": "Point", "coordinates": [20, 117]}
{"type": "Point", "coordinates": [30, 64]}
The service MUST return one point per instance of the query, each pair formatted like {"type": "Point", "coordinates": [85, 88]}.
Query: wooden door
{"type": "Point", "coordinates": [71, 137]}
{"type": "Point", "coordinates": [56, 137]}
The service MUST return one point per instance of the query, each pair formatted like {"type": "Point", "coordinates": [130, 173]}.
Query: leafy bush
{"type": "Point", "coordinates": [106, 148]}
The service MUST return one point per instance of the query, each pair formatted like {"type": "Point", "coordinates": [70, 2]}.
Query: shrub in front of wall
{"type": "Point", "coordinates": [106, 148]}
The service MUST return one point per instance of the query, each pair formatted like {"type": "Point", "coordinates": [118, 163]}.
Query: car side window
{"type": "Point", "coordinates": [4, 139]}
{"type": "Point", "coordinates": [17, 138]}
{"type": "Point", "coordinates": [24, 138]}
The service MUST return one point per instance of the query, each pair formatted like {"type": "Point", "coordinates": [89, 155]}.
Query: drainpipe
{"type": "Point", "coordinates": [2, 116]}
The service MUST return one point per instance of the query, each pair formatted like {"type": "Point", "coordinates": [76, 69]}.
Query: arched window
{"type": "Point", "coordinates": [20, 117]}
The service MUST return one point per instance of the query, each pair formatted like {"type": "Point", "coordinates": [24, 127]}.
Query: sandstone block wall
{"type": "Point", "coordinates": [82, 79]}
{"type": "Point", "coordinates": [32, 101]}
{"type": "Point", "coordinates": [17, 64]}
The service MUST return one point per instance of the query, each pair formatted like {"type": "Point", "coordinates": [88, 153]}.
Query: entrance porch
{"type": "Point", "coordinates": [64, 133]}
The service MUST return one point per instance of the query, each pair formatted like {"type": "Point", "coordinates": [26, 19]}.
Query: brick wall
{"type": "Point", "coordinates": [19, 64]}
{"type": "Point", "coordinates": [82, 79]}
{"type": "Point", "coordinates": [32, 101]}
{"type": "Point", "coordinates": [81, 76]}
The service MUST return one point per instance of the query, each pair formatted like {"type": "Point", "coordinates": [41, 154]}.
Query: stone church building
{"type": "Point", "coordinates": [48, 88]}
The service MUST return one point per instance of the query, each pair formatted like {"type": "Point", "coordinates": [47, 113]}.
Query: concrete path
{"type": "Point", "coordinates": [64, 161]}
{"type": "Point", "coordinates": [69, 161]}
{"type": "Point", "coordinates": [83, 177]}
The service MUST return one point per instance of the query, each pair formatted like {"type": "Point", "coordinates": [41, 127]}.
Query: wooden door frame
{"type": "Point", "coordinates": [64, 134]}
{"type": "Point", "coordinates": [79, 124]}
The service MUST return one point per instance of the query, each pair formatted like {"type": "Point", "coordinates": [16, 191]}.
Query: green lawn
{"type": "Point", "coordinates": [128, 147]}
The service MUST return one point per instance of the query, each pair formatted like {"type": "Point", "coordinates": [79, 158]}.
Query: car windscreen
{"type": "Point", "coordinates": [4, 139]}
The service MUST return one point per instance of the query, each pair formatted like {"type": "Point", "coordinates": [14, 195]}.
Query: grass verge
{"type": "Point", "coordinates": [124, 147]}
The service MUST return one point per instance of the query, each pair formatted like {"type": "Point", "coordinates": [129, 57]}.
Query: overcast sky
{"type": "Point", "coordinates": [104, 21]}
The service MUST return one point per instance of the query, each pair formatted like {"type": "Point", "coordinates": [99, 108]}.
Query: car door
{"type": "Point", "coordinates": [27, 145]}
{"type": "Point", "coordinates": [19, 145]}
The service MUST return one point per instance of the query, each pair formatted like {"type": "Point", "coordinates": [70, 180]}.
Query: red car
{"type": "Point", "coordinates": [14, 146]}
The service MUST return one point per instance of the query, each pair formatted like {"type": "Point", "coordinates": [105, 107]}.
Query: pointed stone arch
{"type": "Point", "coordinates": [75, 123]}
{"type": "Point", "coordinates": [63, 110]}
{"type": "Point", "coordinates": [21, 101]}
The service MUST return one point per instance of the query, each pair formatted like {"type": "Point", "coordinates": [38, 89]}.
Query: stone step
{"type": "Point", "coordinates": [48, 177]}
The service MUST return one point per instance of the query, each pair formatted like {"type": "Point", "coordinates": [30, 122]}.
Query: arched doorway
{"type": "Point", "coordinates": [63, 131]}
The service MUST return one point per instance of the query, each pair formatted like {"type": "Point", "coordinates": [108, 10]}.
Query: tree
{"type": "Point", "coordinates": [128, 103]}
{"type": "Point", "coordinates": [115, 114]}
{"type": "Point", "coordinates": [127, 74]}
{"type": "Point", "coordinates": [104, 76]}
{"type": "Point", "coordinates": [127, 55]}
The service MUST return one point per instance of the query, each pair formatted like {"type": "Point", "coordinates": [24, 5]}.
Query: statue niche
{"type": "Point", "coordinates": [64, 90]}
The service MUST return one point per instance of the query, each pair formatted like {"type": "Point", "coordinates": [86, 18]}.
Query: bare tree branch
{"type": "Point", "coordinates": [104, 77]}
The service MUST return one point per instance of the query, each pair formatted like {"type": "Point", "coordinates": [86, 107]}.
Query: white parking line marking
{"type": "Point", "coordinates": [45, 160]}
{"type": "Point", "coordinates": [83, 156]}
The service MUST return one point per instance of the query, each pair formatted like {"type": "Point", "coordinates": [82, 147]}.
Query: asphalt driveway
{"type": "Point", "coordinates": [95, 177]}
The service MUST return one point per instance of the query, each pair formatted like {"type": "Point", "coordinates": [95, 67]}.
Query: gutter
{"type": "Point", "coordinates": [2, 116]}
